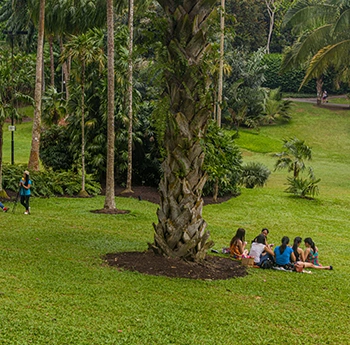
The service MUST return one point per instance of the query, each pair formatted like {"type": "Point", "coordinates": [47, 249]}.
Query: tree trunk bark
{"type": "Point", "coordinates": [82, 128]}
{"type": "Point", "coordinates": [221, 67]}
{"type": "Point", "coordinates": [319, 87]}
{"type": "Point", "coordinates": [130, 90]}
{"type": "Point", "coordinates": [33, 163]}
{"type": "Point", "coordinates": [181, 229]}
{"type": "Point", "coordinates": [52, 62]}
{"type": "Point", "coordinates": [110, 192]}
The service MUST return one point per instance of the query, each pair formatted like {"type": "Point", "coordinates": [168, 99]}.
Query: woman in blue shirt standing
{"type": "Point", "coordinates": [24, 191]}
{"type": "Point", "coordinates": [284, 254]}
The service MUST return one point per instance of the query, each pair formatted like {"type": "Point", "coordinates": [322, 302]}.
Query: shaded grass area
{"type": "Point", "coordinates": [56, 289]}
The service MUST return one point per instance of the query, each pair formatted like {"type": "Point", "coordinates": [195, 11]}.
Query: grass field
{"type": "Point", "coordinates": [56, 289]}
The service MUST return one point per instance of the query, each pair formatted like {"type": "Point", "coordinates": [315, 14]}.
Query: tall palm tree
{"type": "Point", "coordinates": [84, 50]}
{"type": "Point", "coordinates": [130, 91]}
{"type": "Point", "coordinates": [110, 193]}
{"type": "Point", "coordinates": [221, 63]}
{"type": "Point", "coordinates": [33, 163]}
{"type": "Point", "coordinates": [181, 229]}
{"type": "Point", "coordinates": [324, 40]}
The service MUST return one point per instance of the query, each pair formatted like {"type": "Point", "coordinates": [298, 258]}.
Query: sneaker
{"type": "Point", "coordinates": [26, 212]}
{"type": "Point", "coordinates": [5, 209]}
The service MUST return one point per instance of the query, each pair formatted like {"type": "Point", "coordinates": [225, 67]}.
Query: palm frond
{"type": "Point", "coordinates": [306, 47]}
{"type": "Point", "coordinates": [332, 55]}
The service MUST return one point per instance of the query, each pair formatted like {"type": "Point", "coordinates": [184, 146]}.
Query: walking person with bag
{"type": "Point", "coordinates": [24, 191]}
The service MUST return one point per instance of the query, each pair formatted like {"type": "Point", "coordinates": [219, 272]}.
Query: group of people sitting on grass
{"type": "Point", "coordinates": [283, 256]}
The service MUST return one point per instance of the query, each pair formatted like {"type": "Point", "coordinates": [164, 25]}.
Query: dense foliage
{"type": "Point", "coordinates": [49, 183]}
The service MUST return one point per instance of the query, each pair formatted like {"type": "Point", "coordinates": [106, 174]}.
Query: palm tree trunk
{"type": "Point", "coordinates": [33, 163]}
{"type": "Point", "coordinates": [110, 193]}
{"type": "Point", "coordinates": [221, 67]}
{"type": "Point", "coordinates": [130, 90]}
{"type": "Point", "coordinates": [52, 62]}
{"type": "Point", "coordinates": [3, 193]}
{"type": "Point", "coordinates": [271, 9]}
{"type": "Point", "coordinates": [65, 72]}
{"type": "Point", "coordinates": [181, 229]}
{"type": "Point", "coordinates": [83, 128]}
{"type": "Point", "coordinates": [319, 86]}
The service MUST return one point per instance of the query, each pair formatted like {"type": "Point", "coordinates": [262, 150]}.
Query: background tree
{"type": "Point", "coordinates": [130, 93]}
{"type": "Point", "coordinates": [84, 49]}
{"type": "Point", "coordinates": [110, 193]}
{"type": "Point", "coordinates": [33, 163]}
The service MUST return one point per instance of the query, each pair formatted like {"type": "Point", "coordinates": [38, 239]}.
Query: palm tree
{"type": "Point", "coordinates": [324, 40]}
{"type": "Point", "coordinates": [294, 156]}
{"type": "Point", "coordinates": [33, 163]}
{"type": "Point", "coordinates": [181, 230]}
{"type": "Point", "coordinates": [110, 193]}
{"type": "Point", "coordinates": [130, 91]}
{"type": "Point", "coordinates": [84, 50]}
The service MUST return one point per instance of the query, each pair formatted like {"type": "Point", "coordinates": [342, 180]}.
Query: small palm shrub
{"type": "Point", "coordinates": [303, 187]}
{"type": "Point", "coordinates": [254, 174]}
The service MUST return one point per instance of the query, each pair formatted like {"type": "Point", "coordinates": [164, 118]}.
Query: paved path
{"type": "Point", "coordinates": [323, 105]}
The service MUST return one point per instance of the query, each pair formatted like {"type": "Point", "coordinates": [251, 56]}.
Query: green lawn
{"type": "Point", "coordinates": [56, 289]}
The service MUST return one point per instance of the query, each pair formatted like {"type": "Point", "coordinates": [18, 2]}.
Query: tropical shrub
{"type": "Point", "coordinates": [254, 174]}
{"type": "Point", "coordinates": [302, 187]}
{"type": "Point", "coordinates": [222, 162]}
{"type": "Point", "coordinates": [49, 183]}
{"type": "Point", "coordinates": [276, 109]}
{"type": "Point", "coordinates": [55, 150]}
{"type": "Point", "coordinates": [293, 158]}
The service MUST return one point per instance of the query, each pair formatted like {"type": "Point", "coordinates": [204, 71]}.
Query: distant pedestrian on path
{"type": "Point", "coordinates": [24, 191]}
{"type": "Point", "coordinates": [324, 96]}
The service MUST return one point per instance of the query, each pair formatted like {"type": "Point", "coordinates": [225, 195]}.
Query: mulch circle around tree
{"type": "Point", "coordinates": [212, 268]}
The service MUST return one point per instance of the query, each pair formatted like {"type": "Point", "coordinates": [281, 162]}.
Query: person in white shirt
{"type": "Point", "coordinates": [259, 249]}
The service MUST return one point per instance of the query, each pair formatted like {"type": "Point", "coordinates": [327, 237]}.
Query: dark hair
{"type": "Point", "coordinates": [240, 235]}
{"type": "Point", "coordinates": [265, 229]}
{"type": "Point", "coordinates": [26, 180]}
{"type": "Point", "coordinates": [283, 246]}
{"type": "Point", "coordinates": [309, 241]}
{"type": "Point", "coordinates": [296, 241]}
{"type": "Point", "coordinates": [260, 239]}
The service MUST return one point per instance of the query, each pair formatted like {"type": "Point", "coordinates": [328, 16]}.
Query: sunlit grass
{"type": "Point", "coordinates": [55, 288]}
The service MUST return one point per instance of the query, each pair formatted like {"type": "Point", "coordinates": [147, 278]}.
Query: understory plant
{"type": "Point", "coordinates": [49, 183]}
{"type": "Point", "coordinates": [293, 158]}
{"type": "Point", "coordinates": [254, 174]}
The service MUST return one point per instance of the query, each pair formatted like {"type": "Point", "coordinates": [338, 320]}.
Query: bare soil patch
{"type": "Point", "coordinates": [212, 268]}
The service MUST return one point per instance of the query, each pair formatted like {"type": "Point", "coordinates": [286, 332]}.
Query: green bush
{"type": "Point", "coordinates": [54, 149]}
{"type": "Point", "coordinates": [303, 187]}
{"type": "Point", "coordinates": [254, 175]}
{"type": "Point", "coordinates": [49, 183]}
{"type": "Point", "coordinates": [222, 161]}
{"type": "Point", "coordinates": [289, 81]}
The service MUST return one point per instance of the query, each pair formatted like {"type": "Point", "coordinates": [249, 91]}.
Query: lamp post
{"type": "Point", "coordinates": [12, 128]}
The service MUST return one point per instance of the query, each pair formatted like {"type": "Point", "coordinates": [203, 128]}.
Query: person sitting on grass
{"type": "Point", "coordinates": [5, 209]}
{"type": "Point", "coordinates": [298, 252]}
{"type": "Point", "coordinates": [259, 250]}
{"type": "Point", "coordinates": [237, 244]}
{"type": "Point", "coordinates": [299, 265]}
{"type": "Point", "coordinates": [311, 254]}
{"type": "Point", "coordinates": [264, 232]}
{"type": "Point", "coordinates": [284, 255]}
